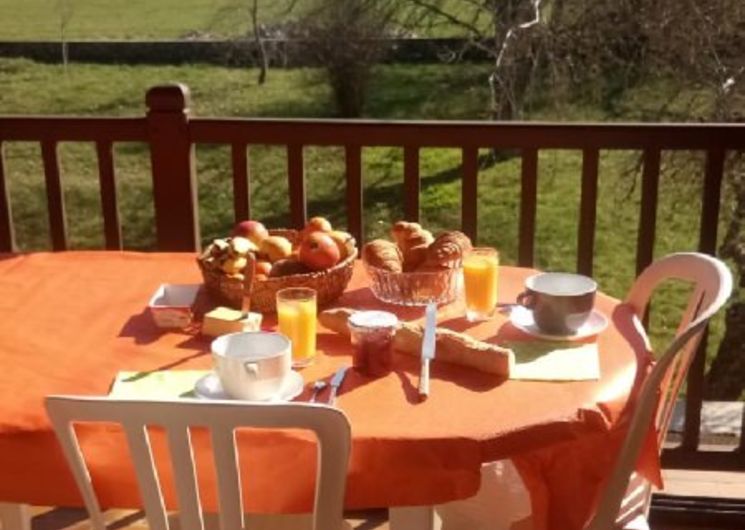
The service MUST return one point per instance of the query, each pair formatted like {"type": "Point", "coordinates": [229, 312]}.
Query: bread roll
{"type": "Point", "coordinates": [383, 254]}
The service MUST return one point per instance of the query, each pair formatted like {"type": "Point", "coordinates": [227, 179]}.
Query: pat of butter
{"type": "Point", "coordinates": [223, 320]}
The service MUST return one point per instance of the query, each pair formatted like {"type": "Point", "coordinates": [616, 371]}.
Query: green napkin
{"type": "Point", "coordinates": [166, 384]}
{"type": "Point", "coordinates": [555, 361]}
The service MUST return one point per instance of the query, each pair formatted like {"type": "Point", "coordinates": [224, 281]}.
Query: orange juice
{"type": "Point", "coordinates": [481, 278]}
{"type": "Point", "coordinates": [297, 320]}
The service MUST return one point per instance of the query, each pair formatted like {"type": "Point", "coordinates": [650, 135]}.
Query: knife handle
{"type": "Point", "coordinates": [332, 396]}
{"type": "Point", "coordinates": [424, 379]}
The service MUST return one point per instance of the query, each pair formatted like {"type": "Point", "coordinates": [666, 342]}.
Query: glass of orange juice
{"type": "Point", "coordinates": [481, 278]}
{"type": "Point", "coordinates": [296, 313]}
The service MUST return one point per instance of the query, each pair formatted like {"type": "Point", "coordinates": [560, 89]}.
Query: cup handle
{"type": "Point", "coordinates": [251, 369]}
{"type": "Point", "coordinates": [526, 299]}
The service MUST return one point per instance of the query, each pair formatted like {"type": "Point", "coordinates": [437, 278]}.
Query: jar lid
{"type": "Point", "coordinates": [373, 319]}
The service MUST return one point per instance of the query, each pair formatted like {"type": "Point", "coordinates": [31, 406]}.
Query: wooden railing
{"type": "Point", "coordinates": [171, 135]}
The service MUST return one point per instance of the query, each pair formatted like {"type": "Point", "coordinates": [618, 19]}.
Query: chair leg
{"type": "Point", "coordinates": [15, 516]}
{"type": "Point", "coordinates": [413, 518]}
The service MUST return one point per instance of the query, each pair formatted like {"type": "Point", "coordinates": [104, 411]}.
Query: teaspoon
{"type": "Point", "coordinates": [318, 387]}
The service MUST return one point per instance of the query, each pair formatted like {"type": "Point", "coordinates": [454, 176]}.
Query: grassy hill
{"type": "Point", "coordinates": [423, 92]}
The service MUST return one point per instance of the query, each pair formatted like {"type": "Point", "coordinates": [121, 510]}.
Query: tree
{"type": "Point", "coordinates": [65, 10]}
{"type": "Point", "coordinates": [345, 38]}
{"type": "Point", "coordinates": [258, 32]}
{"type": "Point", "coordinates": [259, 42]}
{"type": "Point", "coordinates": [726, 377]}
{"type": "Point", "coordinates": [496, 27]}
{"type": "Point", "coordinates": [699, 47]}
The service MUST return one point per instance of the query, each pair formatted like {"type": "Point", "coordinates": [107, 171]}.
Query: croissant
{"type": "Point", "coordinates": [413, 241]}
{"type": "Point", "coordinates": [447, 251]}
{"type": "Point", "coordinates": [383, 254]}
{"type": "Point", "coordinates": [416, 239]}
{"type": "Point", "coordinates": [403, 229]}
{"type": "Point", "coordinates": [414, 257]}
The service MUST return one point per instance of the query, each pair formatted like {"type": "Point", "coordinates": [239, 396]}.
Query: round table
{"type": "Point", "coordinates": [70, 321]}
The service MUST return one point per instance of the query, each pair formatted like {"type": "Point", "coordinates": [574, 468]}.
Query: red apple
{"type": "Point", "coordinates": [316, 224]}
{"type": "Point", "coordinates": [253, 230]}
{"type": "Point", "coordinates": [318, 251]}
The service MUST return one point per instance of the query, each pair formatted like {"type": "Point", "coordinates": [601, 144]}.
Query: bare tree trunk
{"type": "Point", "coordinates": [511, 76]}
{"type": "Point", "coordinates": [501, 109]}
{"type": "Point", "coordinates": [726, 377]}
{"type": "Point", "coordinates": [263, 59]}
{"type": "Point", "coordinates": [63, 42]}
{"type": "Point", "coordinates": [65, 11]}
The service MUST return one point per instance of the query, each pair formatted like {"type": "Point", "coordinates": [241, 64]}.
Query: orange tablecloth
{"type": "Point", "coordinates": [70, 321]}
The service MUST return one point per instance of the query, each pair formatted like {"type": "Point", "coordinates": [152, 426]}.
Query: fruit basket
{"type": "Point", "coordinates": [228, 290]}
{"type": "Point", "coordinates": [415, 288]}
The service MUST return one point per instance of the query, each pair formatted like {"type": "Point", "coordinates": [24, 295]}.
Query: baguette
{"type": "Point", "coordinates": [452, 347]}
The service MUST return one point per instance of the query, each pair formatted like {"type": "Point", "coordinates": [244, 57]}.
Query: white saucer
{"type": "Point", "coordinates": [522, 318]}
{"type": "Point", "coordinates": [209, 387]}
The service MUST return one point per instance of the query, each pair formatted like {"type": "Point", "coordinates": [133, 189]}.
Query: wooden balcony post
{"type": "Point", "coordinates": [7, 234]}
{"type": "Point", "coordinates": [55, 195]}
{"type": "Point", "coordinates": [173, 167]}
{"type": "Point", "coordinates": [528, 205]}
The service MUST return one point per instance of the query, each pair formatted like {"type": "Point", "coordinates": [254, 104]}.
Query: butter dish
{"type": "Point", "coordinates": [222, 320]}
{"type": "Point", "coordinates": [171, 306]}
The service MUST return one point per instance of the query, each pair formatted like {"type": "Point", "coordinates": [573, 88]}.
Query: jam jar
{"type": "Point", "coordinates": [372, 340]}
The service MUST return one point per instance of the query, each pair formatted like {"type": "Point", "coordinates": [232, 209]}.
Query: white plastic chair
{"type": "Point", "coordinates": [624, 502]}
{"type": "Point", "coordinates": [712, 286]}
{"type": "Point", "coordinates": [221, 418]}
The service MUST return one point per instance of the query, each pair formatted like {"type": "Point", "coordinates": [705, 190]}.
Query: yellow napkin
{"type": "Point", "coordinates": [166, 384]}
{"type": "Point", "coordinates": [555, 361]}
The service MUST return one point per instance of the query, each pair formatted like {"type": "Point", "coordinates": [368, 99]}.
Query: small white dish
{"type": "Point", "coordinates": [522, 318]}
{"type": "Point", "coordinates": [171, 305]}
{"type": "Point", "coordinates": [209, 387]}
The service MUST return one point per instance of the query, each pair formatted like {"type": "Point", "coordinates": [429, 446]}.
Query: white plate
{"type": "Point", "coordinates": [522, 318]}
{"type": "Point", "coordinates": [209, 387]}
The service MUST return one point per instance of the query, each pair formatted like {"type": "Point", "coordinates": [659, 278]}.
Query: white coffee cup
{"type": "Point", "coordinates": [252, 365]}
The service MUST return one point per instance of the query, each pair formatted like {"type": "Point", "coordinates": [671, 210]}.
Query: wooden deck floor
{"type": "Point", "coordinates": [705, 483]}
{"type": "Point", "coordinates": [76, 519]}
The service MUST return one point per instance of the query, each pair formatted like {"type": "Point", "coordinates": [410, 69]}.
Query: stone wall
{"type": "Point", "coordinates": [283, 53]}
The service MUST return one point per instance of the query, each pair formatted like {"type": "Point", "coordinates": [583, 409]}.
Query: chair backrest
{"type": "Point", "coordinates": [222, 418]}
{"type": "Point", "coordinates": [712, 286]}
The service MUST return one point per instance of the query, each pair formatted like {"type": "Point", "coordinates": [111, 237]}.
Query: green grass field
{"type": "Point", "coordinates": [122, 19]}
{"type": "Point", "coordinates": [153, 19]}
{"type": "Point", "coordinates": [424, 92]}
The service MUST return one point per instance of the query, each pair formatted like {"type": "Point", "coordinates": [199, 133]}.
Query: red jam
{"type": "Point", "coordinates": [372, 339]}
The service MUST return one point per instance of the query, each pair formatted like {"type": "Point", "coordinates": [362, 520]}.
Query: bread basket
{"type": "Point", "coordinates": [329, 284]}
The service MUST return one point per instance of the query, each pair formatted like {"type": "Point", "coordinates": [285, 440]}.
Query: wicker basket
{"type": "Point", "coordinates": [329, 284]}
